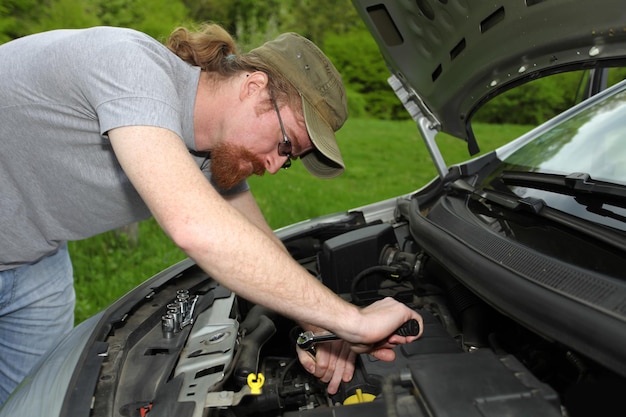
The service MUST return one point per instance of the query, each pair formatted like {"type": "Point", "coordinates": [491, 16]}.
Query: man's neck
{"type": "Point", "coordinates": [211, 106]}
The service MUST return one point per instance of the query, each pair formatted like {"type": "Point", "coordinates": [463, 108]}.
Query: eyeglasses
{"type": "Point", "coordinates": [284, 146]}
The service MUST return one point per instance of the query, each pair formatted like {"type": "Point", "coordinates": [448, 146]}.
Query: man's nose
{"type": "Point", "coordinates": [273, 163]}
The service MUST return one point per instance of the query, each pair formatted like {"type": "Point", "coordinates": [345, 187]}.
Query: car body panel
{"type": "Point", "coordinates": [53, 376]}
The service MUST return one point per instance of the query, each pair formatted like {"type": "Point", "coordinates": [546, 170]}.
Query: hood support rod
{"type": "Point", "coordinates": [426, 122]}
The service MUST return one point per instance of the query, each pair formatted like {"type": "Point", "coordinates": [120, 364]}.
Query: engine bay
{"type": "Point", "coordinates": [192, 348]}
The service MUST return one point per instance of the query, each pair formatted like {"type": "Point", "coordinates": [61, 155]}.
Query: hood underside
{"type": "Point", "coordinates": [454, 55]}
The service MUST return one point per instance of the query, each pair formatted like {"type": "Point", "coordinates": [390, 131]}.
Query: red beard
{"type": "Point", "coordinates": [231, 164]}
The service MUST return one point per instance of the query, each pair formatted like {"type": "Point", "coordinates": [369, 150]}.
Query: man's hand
{"type": "Point", "coordinates": [375, 333]}
{"type": "Point", "coordinates": [333, 363]}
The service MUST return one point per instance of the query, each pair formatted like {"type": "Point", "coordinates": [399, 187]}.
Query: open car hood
{"type": "Point", "coordinates": [447, 57]}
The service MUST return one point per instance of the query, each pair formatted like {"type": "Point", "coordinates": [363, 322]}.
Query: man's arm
{"type": "Point", "coordinates": [233, 250]}
{"type": "Point", "coordinates": [246, 204]}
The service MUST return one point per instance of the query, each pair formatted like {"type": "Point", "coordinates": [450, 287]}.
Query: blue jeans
{"type": "Point", "coordinates": [36, 309]}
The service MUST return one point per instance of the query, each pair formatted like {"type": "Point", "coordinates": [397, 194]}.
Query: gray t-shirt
{"type": "Point", "coordinates": [60, 92]}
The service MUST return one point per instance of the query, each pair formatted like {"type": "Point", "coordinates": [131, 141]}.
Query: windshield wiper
{"type": "Point", "coordinates": [510, 202]}
{"type": "Point", "coordinates": [576, 184]}
{"type": "Point", "coordinates": [539, 207]}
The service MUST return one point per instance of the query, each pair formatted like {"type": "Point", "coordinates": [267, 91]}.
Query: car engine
{"type": "Point", "coordinates": [192, 348]}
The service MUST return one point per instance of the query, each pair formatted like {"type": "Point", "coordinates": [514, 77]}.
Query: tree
{"type": "Point", "coordinates": [157, 18]}
{"type": "Point", "coordinates": [251, 22]}
{"type": "Point", "coordinates": [535, 102]}
{"type": "Point", "coordinates": [358, 59]}
{"type": "Point", "coordinates": [317, 19]}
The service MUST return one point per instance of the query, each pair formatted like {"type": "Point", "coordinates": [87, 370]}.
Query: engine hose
{"type": "Point", "coordinates": [250, 347]}
{"type": "Point", "coordinates": [471, 312]}
{"type": "Point", "coordinates": [389, 394]}
{"type": "Point", "coordinates": [252, 318]}
{"type": "Point", "coordinates": [363, 274]}
{"type": "Point", "coordinates": [468, 309]}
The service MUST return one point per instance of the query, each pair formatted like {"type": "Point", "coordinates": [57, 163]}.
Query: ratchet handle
{"type": "Point", "coordinates": [409, 328]}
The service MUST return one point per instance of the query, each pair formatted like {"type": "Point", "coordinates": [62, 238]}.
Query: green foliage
{"type": "Point", "coordinates": [154, 17]}
{"type": "Point", "coordinates": [357, 104]}
{"type": "Point", "coordinates": [16, 17]}
{"type": "Point", "coordinates": [356, 56]}
{"type": "Point", "coordinates": [251, 22]}
{"type": "Point", "coordinates": [532, 103]}
{"type": "Point", "coordinates": [541, 99]}
{"type": "Point", "coordinates": [68, 14]}
{"type": "Point", "coordinates": [317, 19]}
{"type": "Point", "coordinates": [159, 17]}
{"type": "Point", "coordinates": [208, 11]}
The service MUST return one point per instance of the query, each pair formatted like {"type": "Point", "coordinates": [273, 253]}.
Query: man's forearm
{"type": "Point", "coordinates": [251, 263]}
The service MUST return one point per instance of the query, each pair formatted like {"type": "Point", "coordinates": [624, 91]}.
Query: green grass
{"type": "Point", "coordinates": [383, 158]}
{"type": "Point", "coordinates": [107, 266]}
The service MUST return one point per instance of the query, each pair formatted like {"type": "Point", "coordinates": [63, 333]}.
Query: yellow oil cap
{"type": "Point", "coordinates": [359, 397]}
{"type": "Point", "coordinates": [255, 382]}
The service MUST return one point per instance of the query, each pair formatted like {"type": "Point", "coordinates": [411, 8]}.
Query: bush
{"type": "Point", "coordinates": [357, 104]}
{"type": "Point", "coordinates": [532, 103]}
{"type": "Point", "coordinates": [356, 56]}
{"type": "Point", "coordinates": [540, 100]}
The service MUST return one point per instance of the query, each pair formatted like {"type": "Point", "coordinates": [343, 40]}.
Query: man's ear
{"type": "Point", "coordinates": [255, 83]}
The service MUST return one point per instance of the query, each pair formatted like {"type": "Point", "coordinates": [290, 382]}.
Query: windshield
{"type": "Point", "coordinates": [593, 141]}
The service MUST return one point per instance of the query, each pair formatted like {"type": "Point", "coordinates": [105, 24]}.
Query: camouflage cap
{"type": "Point", "coordinates": [323, 94]}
